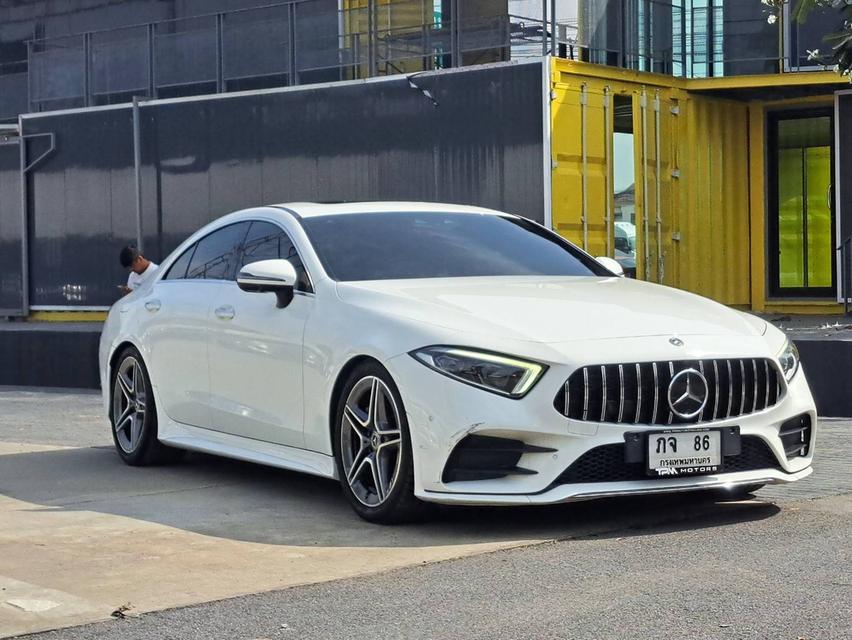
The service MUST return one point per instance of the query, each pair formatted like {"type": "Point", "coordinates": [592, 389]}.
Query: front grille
{"type": "Point", "coordinates": [606, 463]}
{"type": "Point", "coordinates": [637, 393]}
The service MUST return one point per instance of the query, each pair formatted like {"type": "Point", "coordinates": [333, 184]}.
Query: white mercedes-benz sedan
{"type": "Point", "coordinates": [441, 353]}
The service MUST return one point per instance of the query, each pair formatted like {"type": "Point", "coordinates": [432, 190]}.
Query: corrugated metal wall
{"type": "Point", "coordinates": [691, 179]}
{"type": "Point", "coordinates": [479, 142]}
{"type": "Point", "coordinates": [714, 253]}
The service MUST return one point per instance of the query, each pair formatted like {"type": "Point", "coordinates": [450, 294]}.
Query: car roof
{"type": "Point", "coordinates": [315, 209]}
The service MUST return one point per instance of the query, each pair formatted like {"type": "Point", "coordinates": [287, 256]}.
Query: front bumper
{"type": "Point", "coordinates": [577, 492]}
{"type": "Point", "coordinates": [441, 412]}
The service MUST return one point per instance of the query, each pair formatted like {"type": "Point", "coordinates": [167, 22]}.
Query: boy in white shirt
{"type": "Point", "coordinates": [141, 269]}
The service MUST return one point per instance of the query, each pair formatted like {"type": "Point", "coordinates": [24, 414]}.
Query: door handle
{"type": "Point", "coordinates": [153, 305]}
{"type": "Point", "coordinates": [225, 312]}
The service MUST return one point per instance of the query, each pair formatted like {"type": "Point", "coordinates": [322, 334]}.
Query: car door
{"type": "Point", "coordinates": [175, 325]}
{"type": "Point", "coordinates": [255, 349]}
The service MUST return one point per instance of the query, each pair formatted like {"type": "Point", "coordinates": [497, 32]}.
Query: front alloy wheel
{"type": "Point", "coordinates": [370, 441]}
{"type": "Point", "coordinates": [373, 448]}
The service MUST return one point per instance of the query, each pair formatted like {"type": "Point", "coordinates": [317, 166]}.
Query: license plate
{"type": "Point", "coordinates": [684, 453]}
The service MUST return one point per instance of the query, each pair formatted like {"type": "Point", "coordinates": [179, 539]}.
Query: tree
{"type": "Point", "coordinates": [838, 50]}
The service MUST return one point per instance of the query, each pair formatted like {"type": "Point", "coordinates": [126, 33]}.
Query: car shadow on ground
{"type": "Point", "coordinates": [247, 502]}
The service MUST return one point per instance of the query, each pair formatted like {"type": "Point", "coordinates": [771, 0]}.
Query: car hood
{"type": "Point", "coordinates": [550, 309]}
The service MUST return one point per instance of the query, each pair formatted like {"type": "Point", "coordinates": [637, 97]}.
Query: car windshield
{"type": "Point", "coordinates": [390, 246]}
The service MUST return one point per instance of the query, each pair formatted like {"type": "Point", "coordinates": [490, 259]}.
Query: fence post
{"type": "Point", "coordinates": [87, 65]}
{"type": "Point", "coordinates": [292, 73]}
{"type": "Point", "coordinates": [455, 33]}
{"type": "Point", "coordinates": [553, 46]}
{"type": "Point", "coordinates": [152, 78]}
{"type": "Point", "coordinates": [30, 68]}
{"type": "Point", "coordinates": [220, 53]}
{"type": "Point", "coordinates": [137, 171]}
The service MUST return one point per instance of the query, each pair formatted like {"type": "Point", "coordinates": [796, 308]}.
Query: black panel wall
{"type": "Point", "coordinates": [11, 231]}
{"type": "Point", "coordinates": [81, 207]}
{"type": "Point", "coordinates": [479, 142]}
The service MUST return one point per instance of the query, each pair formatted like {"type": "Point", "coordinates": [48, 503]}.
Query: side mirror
{"type": "Point", "coordinates": [612, 265]}
{"type": "Point", "coordinates": [269, 276]}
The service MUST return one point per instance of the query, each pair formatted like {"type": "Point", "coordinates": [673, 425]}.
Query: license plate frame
{"type": "Point", "coordinates": [706, 462]}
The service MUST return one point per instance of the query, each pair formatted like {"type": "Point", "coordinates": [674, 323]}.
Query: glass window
{"type": "Point", "coordinates": [805, 223]}
{"type": "Point", "coordinates": [178, 269]}
{"type": "Point", "coordinates": [267, 241]}
{"type": "Point", "coordinates": [216, 256]}
{"type": "Point", "coordinates": [386, 246]}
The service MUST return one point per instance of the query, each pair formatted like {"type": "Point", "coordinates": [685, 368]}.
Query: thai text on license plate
{"type": "Point", "coordinates": [675, 453]}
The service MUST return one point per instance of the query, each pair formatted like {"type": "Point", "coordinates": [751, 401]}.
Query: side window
{"type": "Point", "coordinates": [267, 241]}
{"type": "Point", "coordinates": [263, 242]}
{"type": "Point", "coordinates": [216, 255]}
{"type": "Point", "coordinates": [178, 269]}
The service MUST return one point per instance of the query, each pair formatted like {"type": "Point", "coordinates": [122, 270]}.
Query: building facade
{"type": "Point", "coordinates": [696, 139]}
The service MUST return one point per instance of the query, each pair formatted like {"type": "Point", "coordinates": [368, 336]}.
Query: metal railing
{"type": "Point", "coordinates": [290, 43]}
{"type": "Point", "coordinates": [275, 45]}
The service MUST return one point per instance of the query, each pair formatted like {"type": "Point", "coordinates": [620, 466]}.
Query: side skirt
{"type": "Point", "coordinates": [270, 454]}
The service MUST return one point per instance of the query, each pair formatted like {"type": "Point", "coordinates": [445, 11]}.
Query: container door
{"type": "Point", "coordinates": [654, 127]}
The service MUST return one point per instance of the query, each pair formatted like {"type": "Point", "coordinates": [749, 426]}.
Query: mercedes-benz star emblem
{"type": "Point", "coordinates": [677, 342]}
{"type": "Point", "coordinates": [688, 393]}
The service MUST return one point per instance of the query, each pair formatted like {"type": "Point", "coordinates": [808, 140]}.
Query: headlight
{"type": "Point", "coordinates": [789, 360]}
{"type": "Point", "coordinates": [501, 374]}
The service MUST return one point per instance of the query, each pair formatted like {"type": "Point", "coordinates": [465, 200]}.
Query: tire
{"type": "Point", "coordinates": [376, 475]}
{"type": "Point", "coordinates": [133, 414]}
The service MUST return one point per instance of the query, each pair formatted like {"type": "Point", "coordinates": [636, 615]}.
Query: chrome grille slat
{"type": "Point", "coordinates": [716, 383]}
{"type": "Point", "coordinates": [754, 368]}
{"type": "Point", "coordinates": [638, 393]}
{"type": "Point", "coordinates": [671, 377]}
{"type": "Point", "coordinates": [766, 402]}
{"type": "Point", "coordinates": [656, 394]}
{"type": "Point", "coordinates": [730, 389]}
{"type": "Point", "coordinates": [638, 400]}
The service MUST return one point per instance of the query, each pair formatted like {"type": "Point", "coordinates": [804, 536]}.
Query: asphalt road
{"type": "Point", "coordinates": [774, 567]}
{"type": "Point", "coordinates": [740, 571]}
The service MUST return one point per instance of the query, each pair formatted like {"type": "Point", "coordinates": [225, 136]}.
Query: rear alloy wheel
{"type": "Point", "coordinates": [134, 414]}
{"type": "Point", "coordinates": [373, 448]}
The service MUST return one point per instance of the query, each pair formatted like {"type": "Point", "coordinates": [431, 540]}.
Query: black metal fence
{"type": "Point", "coordinates": [283, 44]}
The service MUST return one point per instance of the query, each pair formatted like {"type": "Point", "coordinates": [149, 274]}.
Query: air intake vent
{"type": "Point", "coordinates": [796, 436]}
{"type": "Point", "coordinates": [607, 463]}
{"type": "Point", "coordinates": [637, 393]}
{"type": "Point", "coordinates": [487, 458]}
